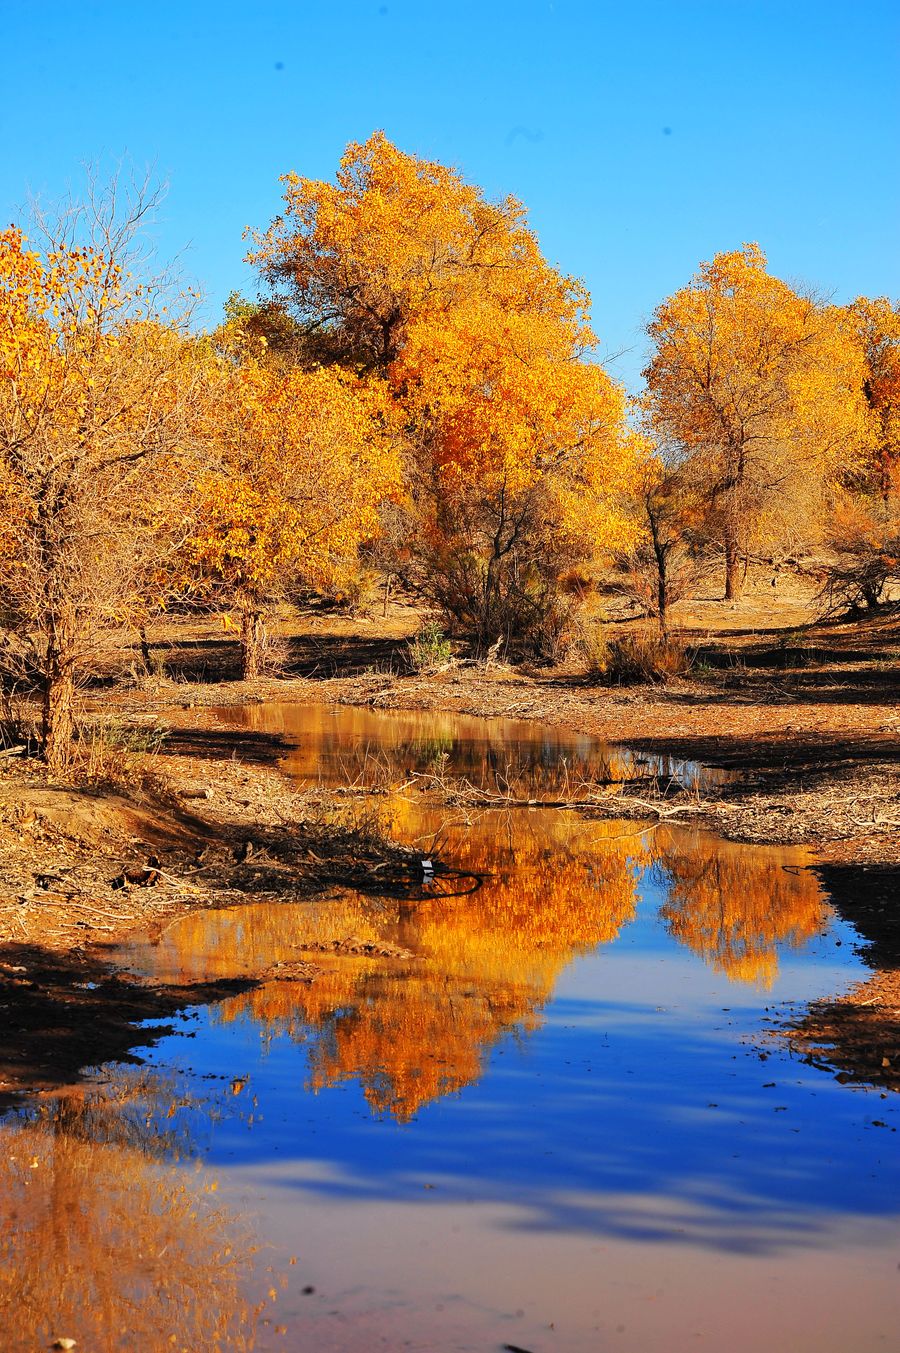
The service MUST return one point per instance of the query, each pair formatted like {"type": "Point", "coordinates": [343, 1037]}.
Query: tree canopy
{"type": "Point", "coordinates": [761, 388]}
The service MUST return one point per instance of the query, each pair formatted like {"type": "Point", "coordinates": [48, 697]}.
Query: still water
{"type": "Point", "coordinates": [553, 1115]}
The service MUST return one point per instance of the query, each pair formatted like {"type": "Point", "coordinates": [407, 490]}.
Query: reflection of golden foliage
{"type": "Point", "coordinates": [733, 906]}
{"type": "Point", "coordinates": [101, 1245]}
{"type": "Point", "coordinates": [485, 964]}
{"type": "Point", "coordinates": [365, 748]}
{"type": "Point", "coordinates": [491, 960]}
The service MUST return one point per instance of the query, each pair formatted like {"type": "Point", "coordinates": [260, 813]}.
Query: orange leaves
{"type": "Point", "coordinates": [518, 447]}
{"type": "Point", "coordinates": [740, 358]}
{"type": "Point", "coordinates": [736, 909]}
{"type": "Point", "coordinates": [403, 268]}
{"type": "Point", "coordinates": [400, 241]}
{"type": "Point", "coordinates": [758, 391]}
{"type": "Point", "coordinates": [876, 326]}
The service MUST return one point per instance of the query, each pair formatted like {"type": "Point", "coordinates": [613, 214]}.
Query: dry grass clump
{"type": "Point", "coordinates": [108, 753]}
{"type": "Point", "coordinates": [643, 655]}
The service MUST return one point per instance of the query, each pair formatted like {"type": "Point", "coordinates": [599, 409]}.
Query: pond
{"type": "Point", "coordinates": [552, 1113]}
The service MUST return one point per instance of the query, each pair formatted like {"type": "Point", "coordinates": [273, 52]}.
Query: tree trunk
{"type": "Point", "coordinates": [252, 638]}
{"type": "Point", "coordinates": [734, 582]}
{"type": "Point", "coordinates": [58, 713]}
{"type": "Point", "coordinates": [145, 645]}
{"type": "Point", "coordinates": [661, 555]}
{"type": "Point", "coordinates": [662, 599]}
{"type": "Point", "coordinates": [490, 608]}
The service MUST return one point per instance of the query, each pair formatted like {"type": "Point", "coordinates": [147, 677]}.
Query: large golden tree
{"type": "Point", "coordinates": [518, 447]}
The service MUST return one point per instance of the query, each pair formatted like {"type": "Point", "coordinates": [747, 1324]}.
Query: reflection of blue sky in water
{"type": "Point", "coordinates": [618, 1116]}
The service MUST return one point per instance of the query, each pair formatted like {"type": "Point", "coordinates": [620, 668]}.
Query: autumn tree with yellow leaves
{"type": "Point", "coordinates": [301, 462]}
{"type": "Point", "coordinates": [98, 390]}
{"type": "Point", "coordinates": [864, 527]}
{"type": "Point", "coordinates": [761, 389]}
{"type": "Point", "coordinates": [517, 451]}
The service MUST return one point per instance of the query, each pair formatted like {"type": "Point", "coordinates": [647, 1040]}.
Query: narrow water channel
{"type": "Point", "coordinates": [551, 1114]}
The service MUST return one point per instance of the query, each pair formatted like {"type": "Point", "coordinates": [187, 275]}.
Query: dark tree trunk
{"type": "Point", "coordinates": [252, 639]}
{"type": "Point", "coordinates": [734, 576]}
{"type": "Point", "coordinates": [58, 712]}
{"type": "Point", "coordinates": [145, 645]}
{"type": "Point", "coordinates": [661, 555]}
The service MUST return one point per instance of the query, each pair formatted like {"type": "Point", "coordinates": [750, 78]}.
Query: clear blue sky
{"type": "Point", "coordinates": [643, 137]}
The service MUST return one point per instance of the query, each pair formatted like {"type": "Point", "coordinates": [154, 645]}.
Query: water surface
{"type": "Point", "coordinates": [555, 1116]}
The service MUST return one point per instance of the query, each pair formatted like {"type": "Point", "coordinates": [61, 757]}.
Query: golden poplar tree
{"type": "Point", "coordinates": [518, 451]}
{"type": "Point", "coordinates": [761, 390]}
{"type": "Point", "coordinates": [303, 460]}
{"type": "Point", "coordinates": [98, 390]}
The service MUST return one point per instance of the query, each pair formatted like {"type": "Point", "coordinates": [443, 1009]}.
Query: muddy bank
{"type": "Point", "coordinates": [71, 1011]}
{"type": "Point", "coordinates": [820, 772]}
{"type": "Point", "coordinates": [83, 868]}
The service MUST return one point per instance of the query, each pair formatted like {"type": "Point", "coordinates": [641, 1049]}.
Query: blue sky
{"type": "Point", "coordinates": [642, 137]}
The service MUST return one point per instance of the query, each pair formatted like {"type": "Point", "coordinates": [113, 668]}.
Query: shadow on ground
{"type": "Point", "coordinates": [213, 660]}
{"type": "Point", "coordinates": [66, 1011]}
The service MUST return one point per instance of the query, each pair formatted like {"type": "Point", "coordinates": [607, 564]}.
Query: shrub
{"type": "Point", "coordinates": [584, 642]}
{"type": "Point", "coordinates": [430, 650]}
{"type": "Point", "coordinates": [644, 655]}
{"type": "Point", "coordinates": [502, 571]}
{"type": "Point", "coordinates": [864, 570]}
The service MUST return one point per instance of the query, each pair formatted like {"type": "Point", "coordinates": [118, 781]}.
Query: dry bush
{"type": "Point", "coordinates": [18, 721]}
{"type": "Point", "coordinates": [638, 579]}
{"type": "Point", "coordinates": [273, 654]}
{"type": "Point", "coordinates": [497, 568]}
{"type": "Point", "coordinates": [583, 641]}
{"type": "Point", "coordinates": [109, 753]}
{"type": "Point", "coordinates": [864, 570]}
{"type": "Point", "coordinates": [644, 655]}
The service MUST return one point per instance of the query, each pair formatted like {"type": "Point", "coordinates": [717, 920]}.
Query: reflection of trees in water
{"type": "Point", "coordinates": [490, 964]}
{"type": "Point", "coordinates": [412, 1030]}
{"type": "Point", "coordinates": [362, 747]}
{"type": "Point", "coordinates": [734, 906]}
{"type": "Point", "coordinates": [104, 1244]}
{"type": "Point", "coordinates": [857, 1032]}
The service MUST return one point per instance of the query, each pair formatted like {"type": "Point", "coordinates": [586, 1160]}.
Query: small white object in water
{"type": "Point", "coordinates": [427, 867]}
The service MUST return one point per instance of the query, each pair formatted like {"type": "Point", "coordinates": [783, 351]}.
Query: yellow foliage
{"type": "Point", "coordinates": [733, 906]}
{"type": "Point", "coordinates": [305, 459]}
{"type": "Point", "coordinates": [740, 357]}
{"type": "Point", "coordinates": [761, 391]}
{"type": "Point", "coordinates": [103, 1244]}
{"type": "Point", "coordinates": [404, 269]}
{"type": "Point", "coordinates": [876, 324]}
